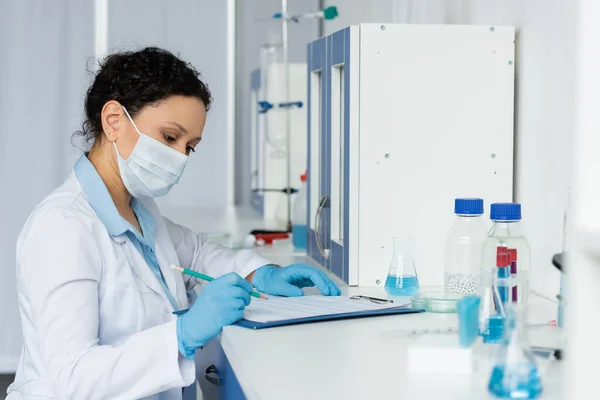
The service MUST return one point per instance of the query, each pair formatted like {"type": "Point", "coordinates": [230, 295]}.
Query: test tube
{"type": "Point", "coordinates": [503, 270]}
{"type": "Point", "coordinates": [513, 271]}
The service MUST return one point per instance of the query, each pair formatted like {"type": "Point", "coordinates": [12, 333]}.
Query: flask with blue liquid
{"type": "Point", "coordinates": [402, 279]}
{"type": "Point", "coordinates": [515, 374]}
{"type": "Point", "coordinates": [491, 309]}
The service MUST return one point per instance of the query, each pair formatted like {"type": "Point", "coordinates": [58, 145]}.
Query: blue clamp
{"type": "Point", "coordinates": [292, 18]}
{"type": "Point", "coordinates": [265, 106]}
{"type": "Point", "coordinates": [291, 104]}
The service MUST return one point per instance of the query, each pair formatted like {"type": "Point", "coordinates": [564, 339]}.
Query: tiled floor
{"type": "Point", "coordinates": [5, 381]}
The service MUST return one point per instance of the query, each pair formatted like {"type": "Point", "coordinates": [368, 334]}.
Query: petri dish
{"type": "Point", "coordinates": [418, 301]}
{"type": "Point", "coordinates": [436, 302]}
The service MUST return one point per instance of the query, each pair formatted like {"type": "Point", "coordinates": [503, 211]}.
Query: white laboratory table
{"type": "Point", "coordinates": [348, 359]}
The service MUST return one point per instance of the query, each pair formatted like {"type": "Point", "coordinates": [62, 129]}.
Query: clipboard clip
{"type": "Point", "coordinates": [375, 300]}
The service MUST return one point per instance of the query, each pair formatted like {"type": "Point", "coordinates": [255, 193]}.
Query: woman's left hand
{"type": "Point", "coordinates": [289, 281]}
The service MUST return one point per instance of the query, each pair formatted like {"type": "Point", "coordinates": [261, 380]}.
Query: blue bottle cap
{"type": "Point", "coordinates": [468, 206]}
{"type": "Point", "coordinates": [505, 212]}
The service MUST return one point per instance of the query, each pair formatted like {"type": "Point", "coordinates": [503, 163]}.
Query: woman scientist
{"type": "Point", "coordinates": [96, 293]}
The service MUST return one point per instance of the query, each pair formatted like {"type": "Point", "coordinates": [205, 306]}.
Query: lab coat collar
{"type": "Point", "coordinates": [146, 222]}
{"type": "Point", "coordinates": [99, 198]}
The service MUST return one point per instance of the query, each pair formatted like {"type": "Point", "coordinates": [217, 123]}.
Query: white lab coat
{"type": "Point", "coordinates": [96, 322]}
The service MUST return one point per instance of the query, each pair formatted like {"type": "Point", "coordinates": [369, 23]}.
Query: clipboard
{"type": "Point", "coordinates": [400, 309]}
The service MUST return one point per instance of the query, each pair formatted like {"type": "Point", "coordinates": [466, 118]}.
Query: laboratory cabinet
{"type": "Point", "coordinates": [215, 375]}
{"type": "Point", "coordinates": [318, 186]}
{"type": "Point", "coordinates": [402, 120]}
{"type": "Point", "coordinates": [268, 141]}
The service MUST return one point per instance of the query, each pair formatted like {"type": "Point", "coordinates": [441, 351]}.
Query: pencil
{"type": "Point", "coordinates": [210, 278]}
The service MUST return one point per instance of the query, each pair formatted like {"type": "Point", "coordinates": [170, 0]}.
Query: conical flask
{"type": "Point", "coordinates": [402, 279]}
{"type": "Point", "coordinates": [491, 310]}
{"type": "Point", "coordinates": [515, 374]}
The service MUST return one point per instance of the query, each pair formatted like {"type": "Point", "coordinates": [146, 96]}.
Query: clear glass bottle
{"type": "Point", "coordinates": [507, 235]}
{"type": "Point", "coordinates": [515, 374]}
{"type": "Point", "coordinates": [464, 241]}
{"type": "Point", "coordinates": [402, 279]}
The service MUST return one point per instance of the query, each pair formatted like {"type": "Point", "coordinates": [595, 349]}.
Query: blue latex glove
{"type": "Point", "coordinates": [289, 281]}
{"type": "Point", "coordinates": [219, 304]}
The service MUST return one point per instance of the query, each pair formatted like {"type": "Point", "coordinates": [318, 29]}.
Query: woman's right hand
{"type": "Point", "coordinates": [221, 303]}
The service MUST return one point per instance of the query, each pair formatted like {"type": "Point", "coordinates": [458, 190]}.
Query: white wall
{"type": "Point", "coordinates": [199, 31]}
{"type": "Point", "coordinates": [581, 322]}
{"type": "Point", "coordinates": [44, 48]}
{"type": "Point", "coordinates": [253, 29]}
{"type": "Point", "coordinates": [544, 100]}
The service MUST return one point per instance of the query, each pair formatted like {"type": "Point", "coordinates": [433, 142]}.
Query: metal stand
{"type": "Point", "coordinates": [286, 99]}
{"type": "Point", "coordinates": [325, 14]}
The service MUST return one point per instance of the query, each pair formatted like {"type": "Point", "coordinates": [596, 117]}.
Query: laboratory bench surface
{"type": "Point", "coordinates": [363, 358]}
{"type": "Point", "coordinates": [355, 359]}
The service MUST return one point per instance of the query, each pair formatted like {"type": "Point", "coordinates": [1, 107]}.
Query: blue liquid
{"type": "Point", "coordinates": [299, 236]}
{"type": "Point", "coordinates": [503, 291]}
{"type": "Point", "coordinates": [495, 330]}
{"type": "Point", "coordinates": [402, 285]}
{"type": "Point", "coordinates": [518, 382]}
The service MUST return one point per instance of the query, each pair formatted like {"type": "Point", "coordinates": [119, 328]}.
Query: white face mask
{"type": "Point", "coordinates": [152, 169]}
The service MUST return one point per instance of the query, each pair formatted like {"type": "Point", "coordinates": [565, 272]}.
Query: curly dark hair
{"type": "Point", "coordinates": [136, 79]}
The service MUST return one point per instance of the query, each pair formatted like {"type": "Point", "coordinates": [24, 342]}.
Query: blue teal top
{"type": "Point", "coordinates": [97, 194]}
